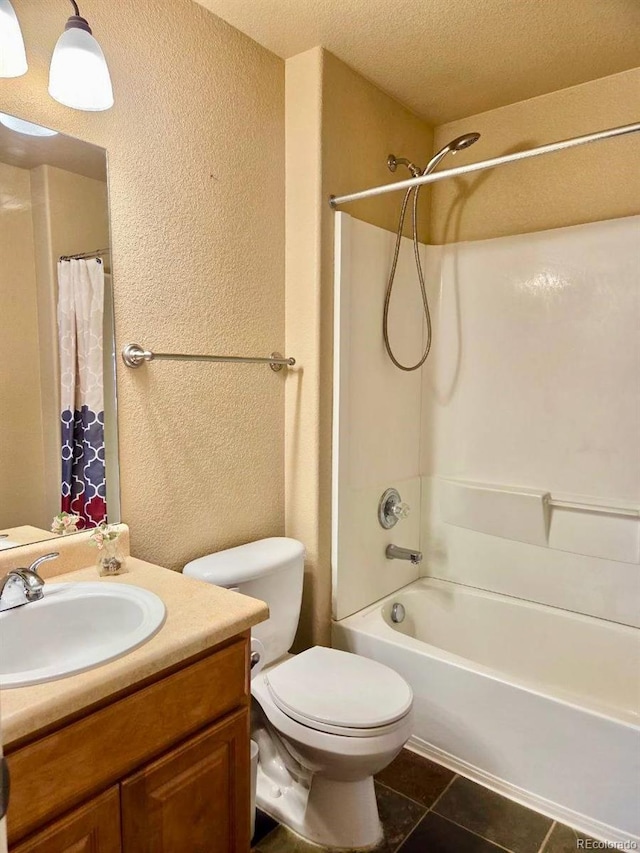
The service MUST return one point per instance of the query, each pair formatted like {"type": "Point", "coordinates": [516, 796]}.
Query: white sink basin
{"type": "Point", "coordinates": [75, 627]}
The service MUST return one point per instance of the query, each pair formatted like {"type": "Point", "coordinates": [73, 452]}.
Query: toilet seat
{"type": "Point", "coordinates": [339, 693]}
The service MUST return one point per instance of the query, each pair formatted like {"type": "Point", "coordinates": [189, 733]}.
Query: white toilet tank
{"type": "Point", "coordinates": [271, 570]}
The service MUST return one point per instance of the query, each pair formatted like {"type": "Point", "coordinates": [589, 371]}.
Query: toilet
{"type": "Point", "coordinates": [325, 720]}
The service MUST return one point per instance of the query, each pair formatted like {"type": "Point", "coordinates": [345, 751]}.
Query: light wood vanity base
{"type": "Point", "coordinates": [163, 769]}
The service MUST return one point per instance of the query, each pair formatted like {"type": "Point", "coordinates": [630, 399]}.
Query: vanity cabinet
{"type": "Point", "coordinates": [164, 769]}
{"type": "Point", "coordinates": [93, 828]}
{"type": "Point", "coordinates": [187, 800]}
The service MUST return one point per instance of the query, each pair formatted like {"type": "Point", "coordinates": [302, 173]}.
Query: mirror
{"type": "Point", "coordinates": [58, 427]}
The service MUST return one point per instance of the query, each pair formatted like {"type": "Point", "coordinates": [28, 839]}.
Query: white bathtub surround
{"type": "Point", "coordinates": [534, 380]}
{"type": "Point", "coordinates": [537, 703]}
{"type": "Point", "coordinates": [533, 383]}
{"type": "Point", "coordinates": [608, 589]}
{"type": "Point", "coordinates": [363, 543]}
{"type": "Point", "coordinates": [581, 524]}
{"type": "Point", "coordinates": [377, 414]}
{"type": "Point", "coordinates": [504, 511]}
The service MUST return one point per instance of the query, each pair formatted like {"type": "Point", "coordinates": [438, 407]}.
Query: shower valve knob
{"type": "Point", "coordinates": [392, 509]}
{"type": "Point", "coordinates": [401, 510]}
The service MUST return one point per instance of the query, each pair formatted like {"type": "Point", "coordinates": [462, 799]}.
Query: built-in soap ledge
{"type": "Point", "coordinates": [581, 525]}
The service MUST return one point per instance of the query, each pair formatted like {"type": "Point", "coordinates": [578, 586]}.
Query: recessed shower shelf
{"type": "Point", "coordinates": [569, 523]}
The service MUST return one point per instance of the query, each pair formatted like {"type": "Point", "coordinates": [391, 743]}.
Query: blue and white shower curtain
{"type": "Point", "coordinates": [80, 329]}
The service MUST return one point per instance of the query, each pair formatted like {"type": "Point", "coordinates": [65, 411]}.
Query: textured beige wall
{"type": "Point", "coordinates": [21, 454]}
{"type": "Point", "coordinates": [340, 130]}
{"type": "Point", "coordinates": [302, 399]}
{"type": "Point", "coordinates": [196, 174]}
{"type": "Point", "coordinates": [361, 126]}
{"type": "Point", "coordinates": [587, 184]}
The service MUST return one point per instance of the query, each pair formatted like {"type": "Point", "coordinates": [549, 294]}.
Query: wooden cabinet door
{"type": "Point", "coordinates": [93, 828]}
{"type": "Point", "coordinates": [195, 799]}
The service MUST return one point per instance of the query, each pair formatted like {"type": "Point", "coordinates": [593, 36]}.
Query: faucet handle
{"type": "Point", "coordinates": [392, 509]}
{"type": "Point", "coordinates": [34, 566]}
{"type": "Point", "coordinates": [28, 581]}
{"type": "Point", "coordinates": [32, 584]}
{"type": "Point", "coordinates": [401, 510]}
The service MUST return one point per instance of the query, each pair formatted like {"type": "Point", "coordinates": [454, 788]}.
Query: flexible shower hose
{"type": "Point", "coordinates": [392, 275]}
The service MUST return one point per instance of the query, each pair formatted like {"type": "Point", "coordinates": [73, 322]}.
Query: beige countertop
{"type": "Point", "coordinates": [199, 616]}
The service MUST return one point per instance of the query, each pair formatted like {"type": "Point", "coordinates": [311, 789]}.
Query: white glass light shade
{"type": "Point", "coordinates": [13, 59]}
{"type": "Point", "coordinates": [27, 128]}
{"type": "Point", "coordinates": [79, 76]}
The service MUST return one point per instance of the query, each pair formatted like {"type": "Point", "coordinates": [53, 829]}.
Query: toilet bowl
{"type": "Point", "coordinates": [325, 721]}
{"type": "Point", "coordinates": [332, 724]}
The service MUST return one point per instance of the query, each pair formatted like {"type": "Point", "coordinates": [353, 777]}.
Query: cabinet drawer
{"type": "Point", "coordinates": [93, 828]}
{"type": "Point", "coordinates": [54, 774]}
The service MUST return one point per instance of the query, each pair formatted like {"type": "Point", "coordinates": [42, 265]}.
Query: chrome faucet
{"type": "Point", "coordinates": [394, 552]}
{"type": "Point", "coordinates": [28, 580]}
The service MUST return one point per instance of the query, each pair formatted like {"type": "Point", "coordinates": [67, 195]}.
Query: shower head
{"type": "Point", "coordinates": [462, 142]}
{"type": "Point", "coordinates": [457, 144]}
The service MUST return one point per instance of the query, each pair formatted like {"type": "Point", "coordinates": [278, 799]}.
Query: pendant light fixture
{"type": "Point", "coordinates": [13, 59]}
{"type": "Point", "coordinates": [79, 76]}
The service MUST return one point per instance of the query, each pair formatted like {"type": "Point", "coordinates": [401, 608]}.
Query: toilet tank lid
{"type": "Point", "coordinates": [246, 562]}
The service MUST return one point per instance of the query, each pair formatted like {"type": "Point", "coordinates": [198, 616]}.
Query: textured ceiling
{"type": "Point", "coordinates": [447, 59]}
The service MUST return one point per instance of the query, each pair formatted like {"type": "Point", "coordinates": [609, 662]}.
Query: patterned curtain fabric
{"type": "Point", "coordinates": [80, 316]}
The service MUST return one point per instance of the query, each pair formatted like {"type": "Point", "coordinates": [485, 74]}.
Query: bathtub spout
{"type": "Point", "coordinates": [394, 552]}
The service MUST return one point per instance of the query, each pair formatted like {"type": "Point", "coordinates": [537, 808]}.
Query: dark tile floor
{"type": "Point", "coordinates": [425, 808]}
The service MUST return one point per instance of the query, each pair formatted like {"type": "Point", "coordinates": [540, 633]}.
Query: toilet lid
{"type": "Point", "coordinates": [340, 689]}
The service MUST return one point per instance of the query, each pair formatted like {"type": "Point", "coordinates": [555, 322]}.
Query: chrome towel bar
{"type": "Point", "coordinates": [134, 355]}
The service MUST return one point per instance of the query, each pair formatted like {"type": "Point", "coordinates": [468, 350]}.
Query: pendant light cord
{"type": "Point", "coordinates": [75, 7]}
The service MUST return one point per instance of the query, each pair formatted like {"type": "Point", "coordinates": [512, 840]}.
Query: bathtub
{"type": "Point", "coordinates": [537, 703]}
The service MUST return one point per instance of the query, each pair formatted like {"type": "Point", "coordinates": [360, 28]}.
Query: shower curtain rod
{"type": "Point", "coordinates": [611, 133]}
{"type": "Point", "coordinates": [84, 256]}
